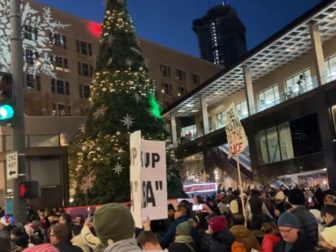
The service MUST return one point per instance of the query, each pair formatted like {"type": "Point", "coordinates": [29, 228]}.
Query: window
{"type": "Point", "coordinates": [220, 120]}
{"type": "Point", "coordinates": [59, 63]}
{"type": "Point", "coordinates": [58, 40]}
{"type": "Point", "coordinates": [242, 109]}
{"type": "Point", "coordinates": [275, 144]}
{"type": "Point", "coordinates": [268, 97]}
{"type": "Point", "coordinates": [33, 82]}
{"type": "Point", "coordinates": [166, 88]}
{"type": "Point", "coordinates": [84, 48]}
{"type": "Point", "coordinates": [84, 91]}
{"type": "Point", "coordinates": [165, 70]}
{"type": "Point", "coordinates": [181, 91]}
{"type": "Point", "coordinates": [85, 69]}
{"type": "Point", "coordinates": [60, 109]}
{"type": "Point", "coordinates": [180, 75]}
{"type": "Point", "coordinates": [31, 56]}
{"type": "Point", "coordinates": [196, 80]}
{"type": "Point", "coordinates": [60, 87]}
{"type": "Point", "coordinates": [298, 84]}
{"type": "Point", "coordinates": [30, 32]}
{"type": "Point", "coordinates": [331, 68]}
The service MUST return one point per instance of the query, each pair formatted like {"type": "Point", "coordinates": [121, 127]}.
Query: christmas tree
{"type": "Point", "coordinates": [122, 101]}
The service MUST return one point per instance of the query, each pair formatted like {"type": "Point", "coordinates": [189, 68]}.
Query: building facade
{"type": "Point", "coordinates": [59, 59]}
{"type": "Point", "coordinates": [221, 35]}
{"type": "Point", "coordinates": [284, 91]}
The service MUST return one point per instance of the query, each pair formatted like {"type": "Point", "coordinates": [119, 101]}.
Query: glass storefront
{"type": "Point", "coordinates": [275, 144]}
{"type": "Point", "coordinates": [292, 139]}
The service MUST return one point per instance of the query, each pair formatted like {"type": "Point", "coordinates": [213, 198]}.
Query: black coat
{"type": "Point", "coordinates": [221, 242]}
{"type": "Point", "coordinates": [308, 223]}
{"type": "Point", "coordinates": [181, 247]}
{"type": "Point", "coordinates": [67, 247]}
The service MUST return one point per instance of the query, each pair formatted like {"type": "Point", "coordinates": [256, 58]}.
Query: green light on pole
{"type": "Point", "coordinates": [6, 112]}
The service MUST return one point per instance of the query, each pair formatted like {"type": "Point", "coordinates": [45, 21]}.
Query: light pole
{"type": "Point", "coordinates": [20, 208]}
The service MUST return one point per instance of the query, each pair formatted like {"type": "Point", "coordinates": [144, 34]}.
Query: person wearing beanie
{"type": "Point", "coordinates": [114, 225]}
{"type": "Point", "coordinates": [293, 239]}
{"type": "Point", "coordinates": [183, 241]}
{"type": "Point", "coordinates": [328, 238]}
{"type": "Point", "coordinates": [182, 214]}
{"type": "Point", "coordinates": [221, 237]}
{"type": "Point", "coordinates": [308, 223]}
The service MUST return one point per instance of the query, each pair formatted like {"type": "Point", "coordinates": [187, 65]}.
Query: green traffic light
{"type": "Point", "coordinates": [6, 112]}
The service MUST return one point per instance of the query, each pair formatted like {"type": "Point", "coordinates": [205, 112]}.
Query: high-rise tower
{"type": "Point", "coordinates": [221, 35]}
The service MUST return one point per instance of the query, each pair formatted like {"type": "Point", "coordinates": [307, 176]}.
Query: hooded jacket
{"type": "Point", "coordinates": [128, 245]}
{"type": "Point", "coordinates": [245, 236]}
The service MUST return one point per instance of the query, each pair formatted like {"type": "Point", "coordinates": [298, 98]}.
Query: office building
{"type": "Point", "coordinates": [221, 35]}
{"type": "Point", "coordinates": [285, 93]}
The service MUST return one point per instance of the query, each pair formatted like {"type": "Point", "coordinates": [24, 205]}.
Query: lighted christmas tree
{"type": "Point", "coordinates": [122, 101]}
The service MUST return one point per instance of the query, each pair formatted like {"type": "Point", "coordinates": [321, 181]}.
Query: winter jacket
{"type": "Point", "coordinates": [86, 240]}
{"type": "Point", "coordinates": [221, 242]}
{"type": "Point", "coordinates": [245, 236]}
{"type": "Point", "coordinates": [181, 247]}
{"type": "Point", "coordinates": [309, 227]}
{"type": "Point", "coordinates": [269, 242]}
{"type": "Point", "coordinates": [128, 245]}
{"type": "Point", "coordinates": [169, 236]}
{"type": "Point", "coordinates": [301, 245]}
{"type": "Point", "coordinates": [67, 247]}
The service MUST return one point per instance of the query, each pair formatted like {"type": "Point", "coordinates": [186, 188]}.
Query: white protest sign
{"type": "Point", "coordinates": [135, 177]}
{"type": "Point", "coordinates": [235, 132]}
{"type": "Point", "coordinates": [148, 179]}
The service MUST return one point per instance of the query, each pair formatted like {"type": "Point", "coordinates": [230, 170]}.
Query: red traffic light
{"type": "Point", "coordinates": [29, 189]}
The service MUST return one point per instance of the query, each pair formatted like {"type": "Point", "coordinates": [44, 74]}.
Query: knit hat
{"type": "Point", "coordinates": [329, 235]}
{"type": "Point", "coordinates": [184, 228]}
{"type": "Point", "coordinates": [296, 197]}
{"type": "Point", "coordinates": [218, 223]}
{"type": "Point", "coordinates": [113, 222]}
{"type": "Point", "coordinates": [288, 219]}
{"type": "Point", "coordinates": [280, 196]}
{"type": "Point", "coordinates": [46, 247]}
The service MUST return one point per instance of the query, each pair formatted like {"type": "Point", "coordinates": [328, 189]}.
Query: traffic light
{"type": "Point", "coordinates": [6, 99]}
{"type": "Point", "coordinates": [29, 189]}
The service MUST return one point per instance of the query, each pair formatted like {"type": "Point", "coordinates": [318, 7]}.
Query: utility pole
{"type": "Point", "coordinates": [20, 207]}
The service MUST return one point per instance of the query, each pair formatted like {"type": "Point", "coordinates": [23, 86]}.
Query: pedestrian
{"type": "Point", "coordinates": [271, 237]}
{"type": "Point", "coordinates": [115, 228]}
{"type": "Point", "coordinates": [242, 234]}
{"type": "Point", "coordinates": [59, 236]}
{"type": "Point", "coordinates": [328, 213]}
{"type": "Point", "coordinates": [308, 223]}
{"type": "Point", "coordinates": [183, 241]}
{"type": "Point", "coordinates": [293, 240]}
{"type": "Point", "coordinates": [328, 238]}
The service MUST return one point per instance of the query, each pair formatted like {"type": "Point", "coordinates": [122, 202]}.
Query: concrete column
{"type": "Point", "coordinates": [173, 129]}
{"type": "Point", "coordinates": [318, 52]}
{"type": "Point", "coordinates": [249, 91]}
{"type": "Point", "coordinates": [204, 115]}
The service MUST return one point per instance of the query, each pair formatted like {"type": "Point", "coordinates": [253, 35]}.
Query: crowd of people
{"type": "Point", "coordinates": [265, 220]}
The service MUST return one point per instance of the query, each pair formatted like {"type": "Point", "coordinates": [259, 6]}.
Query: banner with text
{"type": "Point", "coordinates": [235, 132]}
{"type": "Point", "coordinates": [148, 179]}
